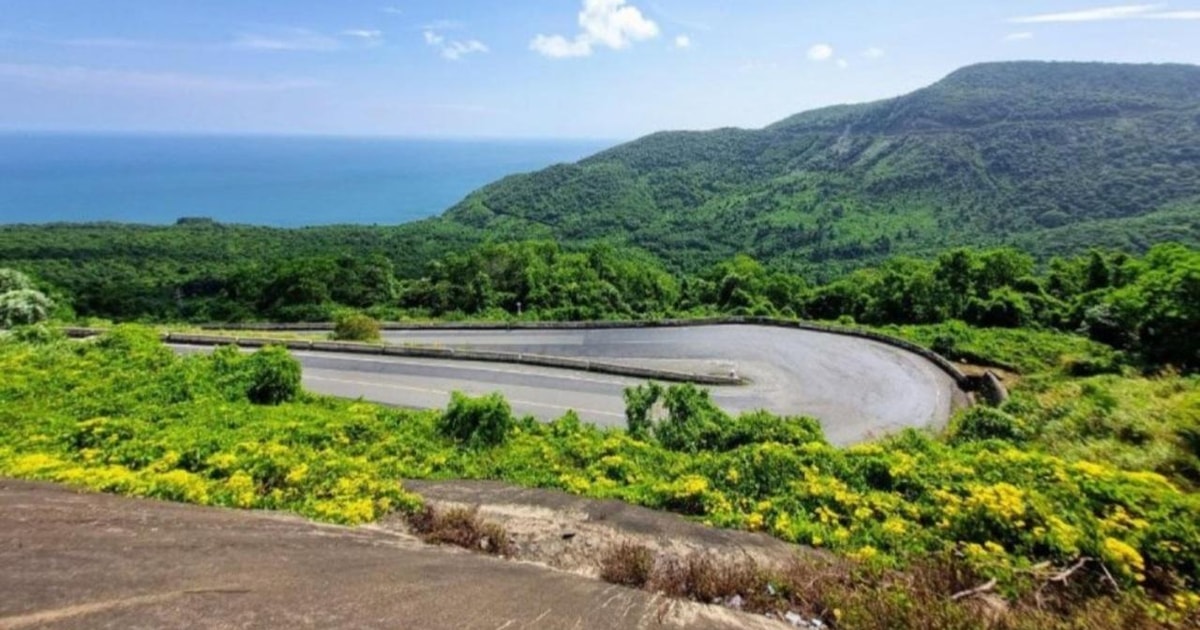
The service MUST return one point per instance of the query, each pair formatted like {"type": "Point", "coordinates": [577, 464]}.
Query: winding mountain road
{"type": "Point", "coordinates": [858, 388]}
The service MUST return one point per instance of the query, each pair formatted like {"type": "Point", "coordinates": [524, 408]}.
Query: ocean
{"type": "Point", "coordinates": [267, 180]}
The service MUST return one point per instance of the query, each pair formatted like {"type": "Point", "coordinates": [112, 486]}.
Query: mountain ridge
{"type": "Point", "coordinates": [991, 152]}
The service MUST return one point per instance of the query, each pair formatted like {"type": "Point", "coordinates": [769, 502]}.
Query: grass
{"type": "Point", "coordinates": [460, 527]}
{"type": "Point", "coordinates": [937, 592]}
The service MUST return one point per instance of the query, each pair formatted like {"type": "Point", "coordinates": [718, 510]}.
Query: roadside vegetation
{"type": "Point", "coordinates": [994, 498]}
{"type": "Point", "coordinates": [1142, 305]}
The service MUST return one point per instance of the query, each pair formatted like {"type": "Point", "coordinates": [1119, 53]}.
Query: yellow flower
{"type": "Point", "coordinates": [692, 485]}
{"type": "Point", "coordinates": [733, 475]}
{"type": "Point", "coordinates": [1091, 470]}
{"type": "Point", "coordinates": [1124, 558]}
{"type": "Point", "coordinates": [1003, 500]}
{"type": "Point", "coordinates": [241, 485]}
{"type": "Point", "coordinates": [297, 475]}
{"type": "Point", "coordinates": [865, 554]}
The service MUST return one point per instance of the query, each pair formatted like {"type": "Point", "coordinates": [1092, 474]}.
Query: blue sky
{"type": "Point", "coordinates": [523, 68]}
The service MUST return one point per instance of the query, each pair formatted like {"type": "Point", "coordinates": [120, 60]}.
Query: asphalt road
{"type": "Point", "coordinates": [858, 388]}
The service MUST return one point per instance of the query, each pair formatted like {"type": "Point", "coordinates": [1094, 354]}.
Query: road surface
{"type": "Point", "coordinates": [857, 388]}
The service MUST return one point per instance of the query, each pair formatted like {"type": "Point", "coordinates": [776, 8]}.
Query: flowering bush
{"type": "Point", "coordinates": [13, 280]}
{"type": "Point", "coordinates": [126, 415]}
{"type": "Point", "coordinates": [23, 307]}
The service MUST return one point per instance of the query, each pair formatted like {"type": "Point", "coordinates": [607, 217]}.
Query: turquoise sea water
{"type": "Point", "coordinates": [279, 181]}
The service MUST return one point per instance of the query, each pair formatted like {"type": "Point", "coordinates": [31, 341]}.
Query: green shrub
{"type": "Point", "coordinates": [13, 280]}
{"type": "Point", "coordinates": [273, 376]}
{"type": "Point", "coordinates": [639, 403]}
{"type": "Point", "coordinates": [37, 334]}
{"type": "Point", "coordinates": [23, 307]}
{"type": "Point", "coordinates": [478, 422]}
{"type": "Point", "coordinates": [1091, 365]}
{"type": "Point", "coordinates": [987, 423]}
{"type": "Point", "coordinates": [759, 427]}
{"type": "Point", "coordinates": [693, 421]}
{"type": "Point", "coordinates": [354, 326]}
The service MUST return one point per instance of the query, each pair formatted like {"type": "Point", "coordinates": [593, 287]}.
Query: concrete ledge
{"type": "Point", "coordinates": [345, 347]}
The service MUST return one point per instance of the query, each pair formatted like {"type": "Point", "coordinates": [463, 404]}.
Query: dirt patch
{"type": "Point", "coordinates": [1008, 377]}
{"type": "Point", "coordinates": [573, 534]}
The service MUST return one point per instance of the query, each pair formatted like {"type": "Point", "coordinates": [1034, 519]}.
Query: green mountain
{"type": "Point", "coordinates": [1052, 157]}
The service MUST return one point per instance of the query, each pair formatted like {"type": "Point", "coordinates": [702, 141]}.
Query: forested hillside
{"type": "Point", "coordinates": [1054, 157]}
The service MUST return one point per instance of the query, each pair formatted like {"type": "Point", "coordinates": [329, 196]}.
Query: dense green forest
{"type": "Point", "coordinates": [1147, 305]}
{"type": "Point", "coordinates": [1054, 157]}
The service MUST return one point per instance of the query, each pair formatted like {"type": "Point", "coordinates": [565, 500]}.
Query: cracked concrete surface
{"type": "Point", "coordinates": [78, 560]}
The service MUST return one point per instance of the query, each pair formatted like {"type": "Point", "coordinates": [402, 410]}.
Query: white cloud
{"type": "Point", "coordinates": [1110, 13]}
{"type": "Point", "coordinates": [609, 23]}
{"type": "Point", "coordinates": [843, 64]}
{"type": "Point", "coordinates": [559, 47]}
{"type": "Point", "coordinates": [457, 50]}
{"type": "Point", "coordinates": [454, 50]}
{"type": "Point", "coordinates": [392, 10]}
{"type": "Point", "coordinates": [1174, 15]}
{"type": "Point", "coordinates": [108, 42]}
{"type": "Point", "coordinates": [1090, 15]}
{"type": "Point", "coordinates": [443, 25]}
{"type": "Point", "coordinates": [874, 53]}
{"type": "Point", "coordinates": [820, 52]}
{"type": "Point", "coordinates": [93, 78]}
{"type": "Point", "coordinates": [1017, 37]}
{"type": "Point", "coordinates": [757, 66]}
{"type": "Point", "coordinates": [683, 41]}
{"type": "Point", "coordinates": [292, 39]}
{"type": "Point", "coordinates": [371, 36]}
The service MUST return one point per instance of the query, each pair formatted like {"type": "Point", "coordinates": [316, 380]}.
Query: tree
{"type": "Point", "coordinates": [13, 280]}
{"type": "Point", "coordinates": [24, 307]}
{"type": "Point", "coordinates": [639, 403]}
